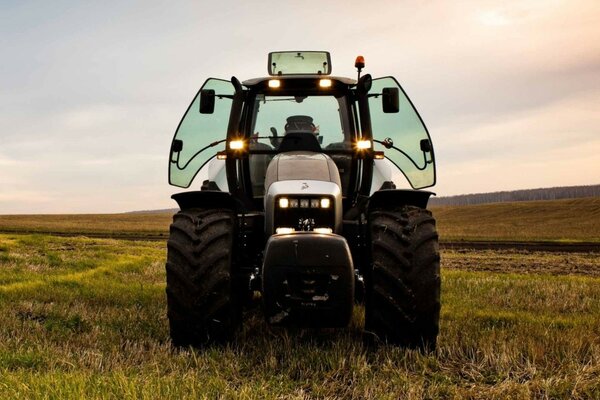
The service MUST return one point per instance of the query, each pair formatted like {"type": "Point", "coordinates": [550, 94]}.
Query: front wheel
{"type": "Point", "coordinates": [201, 305]}
{"type": "Point", "coordinates": [403, 286]}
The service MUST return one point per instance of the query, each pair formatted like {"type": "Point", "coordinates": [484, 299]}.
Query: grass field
{"type": "Point", "coordinates": [85, 318]}
{"type": "Point", "coordinates": [572, 220]}
{"type": "Point", "coordinates": [107, 224]}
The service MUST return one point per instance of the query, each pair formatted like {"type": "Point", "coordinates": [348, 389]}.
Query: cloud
{"type": "Point", "coordinates": [551, 146]}
{"type": "Point", "coordinates": [92, 93]}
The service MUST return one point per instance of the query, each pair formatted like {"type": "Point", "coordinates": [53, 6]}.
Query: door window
{"type": "Point", "coordinates": [197, 132]}
{"type": "Point", "coordinates": [404, 134]}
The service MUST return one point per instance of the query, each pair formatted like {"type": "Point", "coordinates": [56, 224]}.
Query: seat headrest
{"type": "Point", "coordinates": [300, 141]}
{"type": "Point", "coordinates": [299, 123]}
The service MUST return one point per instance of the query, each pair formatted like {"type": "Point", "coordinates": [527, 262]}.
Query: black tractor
{"type": "Point", "coordinates": [299, 206]}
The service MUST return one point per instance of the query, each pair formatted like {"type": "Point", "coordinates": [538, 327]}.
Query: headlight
{"type": "Point", "coordinates": [286, 202]}
{"type": "Point", "coordinates": [282, 231]}
{"type": "Point", "coordinates": [304, 213]}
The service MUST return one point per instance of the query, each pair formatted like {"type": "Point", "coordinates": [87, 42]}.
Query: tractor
{"type": "Point", "coordinates": [301, 206]}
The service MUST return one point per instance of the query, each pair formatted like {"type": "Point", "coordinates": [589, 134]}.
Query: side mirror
{"type": "Point", "coordinates": [390, 100]}
{"type": "Point", "coordinates": [207, 101]}
{"type": "Point", "coordinates": [177, 146]}
{"type": "Point", "coordinates": [425, 145]}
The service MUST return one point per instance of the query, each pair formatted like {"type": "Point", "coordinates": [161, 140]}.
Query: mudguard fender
{"type": "Point", "coordinates": [392, 198]}
{"type": "Point", "coordinates": [205, 199]}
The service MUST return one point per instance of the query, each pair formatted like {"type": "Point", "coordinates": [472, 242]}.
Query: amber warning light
{"type": "Point", "coordinates": [359, 63]}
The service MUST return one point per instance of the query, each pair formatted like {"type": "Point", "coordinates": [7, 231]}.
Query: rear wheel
{"type": "Point", "coordinates": [403, 286]}
{"type": "Point", "coordinates": [201, 305]}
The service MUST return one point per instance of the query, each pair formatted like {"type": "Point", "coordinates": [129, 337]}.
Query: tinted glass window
{"type": "Point", "coordinates": [196, 131]}
{"type": "Point", "coordinates": [299, 62]}
{"type": "Point", "coordinates": [317, 114]}
{"type": "Point", "coordinates": [405, 130]}
{"type": "Point", "coordinates": [320, 116]}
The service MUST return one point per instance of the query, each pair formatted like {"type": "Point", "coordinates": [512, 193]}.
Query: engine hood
{"type": "Point", "coordinates": [301, 165]}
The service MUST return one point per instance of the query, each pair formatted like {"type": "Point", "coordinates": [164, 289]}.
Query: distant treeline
{"type": "Point", "coordinates": [554, 193]}
{"type": "Point", "coordinates": [161, 211]}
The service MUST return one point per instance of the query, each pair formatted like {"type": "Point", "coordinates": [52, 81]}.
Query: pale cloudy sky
{"type": "Point", "coordinates": [91, 93]}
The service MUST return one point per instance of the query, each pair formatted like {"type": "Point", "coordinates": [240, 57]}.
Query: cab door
{"type": "Point", "coordinates": [199, 134]}
{"type": "Point", "coordinates": [399, 131]}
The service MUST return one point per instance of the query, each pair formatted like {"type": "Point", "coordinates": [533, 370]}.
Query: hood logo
{"type": "Point", "coordinates": [304, 186]}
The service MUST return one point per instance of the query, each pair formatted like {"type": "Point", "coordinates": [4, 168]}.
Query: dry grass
{"type": "Point", "coordinates": [553, 220]}
{"type": "Point", "coordinates": [134, 224]}
{"type": "Point", "coordinates": [85, 318]}
{"type": "Point", "coordinates": [556, 220]}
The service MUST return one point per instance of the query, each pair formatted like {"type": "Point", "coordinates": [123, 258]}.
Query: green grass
{"type": "Point", "coordinates": [86, 318]}
{"type": "Point", "coordinates": [570, 220]}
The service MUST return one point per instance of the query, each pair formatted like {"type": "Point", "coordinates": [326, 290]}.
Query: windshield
{"type": "Point", "coordinates": [323, 117]}
{"type": "Point", "coordinates": [319, 115]}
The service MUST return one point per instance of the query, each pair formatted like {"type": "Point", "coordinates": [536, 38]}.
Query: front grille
{"type": "Point", "coordinates": [307, 287]}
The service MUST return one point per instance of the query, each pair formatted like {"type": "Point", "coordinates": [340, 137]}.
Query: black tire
{"type": "Point", "coordinates": [201, 306]}
{"type": "Point", "coordinates": [402, 304]}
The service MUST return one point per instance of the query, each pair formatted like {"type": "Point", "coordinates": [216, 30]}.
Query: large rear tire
{"type": "Point", "coordinates": [201, 306]}
{"type": "Point", "coordinates": [402, 304]}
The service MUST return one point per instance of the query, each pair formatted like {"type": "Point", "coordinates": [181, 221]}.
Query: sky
{"type": "Point", "coordinates": [92, 92]}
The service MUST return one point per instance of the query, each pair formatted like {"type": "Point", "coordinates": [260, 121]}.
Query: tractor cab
{"type": "Point", "coordinates": [309, 194]}
{"type": "Point", "coordinates": [357, 123]}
